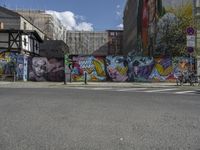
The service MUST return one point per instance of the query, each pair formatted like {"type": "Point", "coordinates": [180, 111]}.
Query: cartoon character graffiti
{"type": "Point", "coordinates": [162, 70]}
{"type": "Point", "coordinates": [140, 68]}
{"type": "Point", "coordinates": [93, 66]}
{"type": "Point", "coordinates": [117, 68]}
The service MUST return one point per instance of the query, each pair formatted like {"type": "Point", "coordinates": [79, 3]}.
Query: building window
{"type": "Point", "coordinates": [37, 46]}
{"type": "Point", "coordinates": [197, 3]}
{"type": "Point", "coordinates": [112, 33]}
{"type": "Point", "coordinates": [25, 41]}
{"type": "Point", "coordinates": [24, 25]}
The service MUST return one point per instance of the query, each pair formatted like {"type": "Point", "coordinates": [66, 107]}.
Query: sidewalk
{"type": "Point", "coordinates": [81, 84]}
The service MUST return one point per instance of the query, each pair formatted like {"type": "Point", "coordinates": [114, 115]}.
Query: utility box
{"type": "Point", "coordinates": [198, 65]}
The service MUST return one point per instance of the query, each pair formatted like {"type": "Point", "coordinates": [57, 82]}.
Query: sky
{"type": "Point", "coordinates": [96, 15]}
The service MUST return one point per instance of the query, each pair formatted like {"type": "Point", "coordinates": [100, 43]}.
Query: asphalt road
{"type": "Point", "coordinates": [71, 119]}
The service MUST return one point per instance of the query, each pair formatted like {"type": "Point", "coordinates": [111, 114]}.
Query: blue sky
{"type": "Point", "coordinates": [98, 14]}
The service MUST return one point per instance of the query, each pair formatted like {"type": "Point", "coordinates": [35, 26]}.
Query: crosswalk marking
{"type": "Point", "coordinates": [160, 90]}
{"type": "Point", "coordinates": [101, 88]}
{"type": "Point", "coordinates": [130, 89]}
{"type": "Point", "coordinates": [138, 89]}
{"type": "Point", "coordinates": [184, 92]}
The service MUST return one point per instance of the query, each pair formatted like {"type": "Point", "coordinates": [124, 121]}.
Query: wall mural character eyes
{"type": "Point", "coordinates": [43, 69]}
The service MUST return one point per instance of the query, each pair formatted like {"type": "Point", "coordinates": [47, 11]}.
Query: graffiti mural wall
{"type": "Point", "coordinates": [93, 66]}
{"type": "Point", "coordinates": [110, 68]}
{"type": "Point", "coordinates": [43, 69]}
{"type": "Point", "coordinates": [132, 69]}
{"type": "Point", "coordinates": [117, 68]}
{"type": "Point", "coordinates": [8, 62]}
{"type": "Point", "coordinates": [180, 64]}
{"type": "Point", "coordinates": [68, 67]}
{"type": "Point", "coordinates": [163, 70]}
{"type": "Point", "coordinates": [140, 68]}
{"type": "Point", "coordinates": [22, 67]}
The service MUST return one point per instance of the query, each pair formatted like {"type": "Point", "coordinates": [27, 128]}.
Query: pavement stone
{"type": "Point", "coordinates": [81, 84]}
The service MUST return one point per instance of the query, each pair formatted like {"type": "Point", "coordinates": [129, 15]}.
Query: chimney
{"type": "Point", "coordinates": [1, 25]}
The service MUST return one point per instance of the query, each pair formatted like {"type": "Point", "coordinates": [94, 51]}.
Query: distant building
{"type": "Point", "coordinates": [50, 25]}
{"type": "Point", "coordinates": [115, 42]}
{"type": "Point", "coordinates": [87, 42]}
{"type": "Point", "coordinates": [11, 20]}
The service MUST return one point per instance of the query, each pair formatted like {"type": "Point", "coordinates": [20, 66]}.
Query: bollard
{"type": "Point", "coordinates": [14, 78]}
{"type": "Point", "coordinates": [85, 74]}
{"type": "Point", "coordinates": [65, 80]}
{"type": "Point", "coordinates": [70, 77]}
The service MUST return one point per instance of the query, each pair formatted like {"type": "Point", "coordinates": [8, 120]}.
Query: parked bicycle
{"type": "Point", "coordinates": [187, 77]}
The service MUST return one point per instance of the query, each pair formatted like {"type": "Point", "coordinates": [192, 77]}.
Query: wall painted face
{"type": "Point", "coordinates": [43, 69]}
{"type": "Point", "coordinates": [93, 66]}
{"type": "Point", "coordinates": [140, 68]}
{"type": "Point", "coordinates": [117, 68]}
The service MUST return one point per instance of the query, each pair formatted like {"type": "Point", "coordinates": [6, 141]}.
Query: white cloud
{"type": "Point", "coordinates": [118, 11]}
{"type": "Point", "coordinates": [120, 26]}
{"type": "Point", "coordinates": [118, 6]}
{"type": "Point", "coordinates": [71, 21]}
{"type": "Point", "coordinates": [84, 26]}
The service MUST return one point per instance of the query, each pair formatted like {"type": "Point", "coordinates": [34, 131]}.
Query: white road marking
{"type": "Point", "coordinates": [130, 89]}
{"type": "Point", "coordinates": [160, 90]}
{"type": "Point", "coordinates": [100, 88]}
{"type": "Point", "coordinates": [184, 92]}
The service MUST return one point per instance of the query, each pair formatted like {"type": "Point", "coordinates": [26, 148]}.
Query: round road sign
{"type": "Point", "coordinates": [190, 49]}
{"type": "Point", "coordinates": [190, 31]}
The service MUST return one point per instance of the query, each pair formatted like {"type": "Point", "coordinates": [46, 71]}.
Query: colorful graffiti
{"type": "Point", "coordinates": [110, 68]}
{"type": "Point", "coordinates": [68, 67]}
{"type": "Point", "coordinates": [43, 69]}
{"type": "Point", "coordinates": [162, 71]}
{"type": "Point", "coordinates": [180, 64]}
{"type": "Point", "coordinates": [22, 67]}
{"type": "Point", "coordinates": [117, 68]}
{"type": "Point", "coordinates": [140, 68]}
{"type": "Point", "coordinates": [93, 66]}
{"type": "Point", "coordinates": [8, 62]}
{"type": "Point", "coordinates": [133, 69]}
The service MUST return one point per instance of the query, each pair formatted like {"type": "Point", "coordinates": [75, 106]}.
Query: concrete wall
{"type": "Point", "coordinates": [130, 26]}
{"type": "Point", "coordinates": [87, 42]}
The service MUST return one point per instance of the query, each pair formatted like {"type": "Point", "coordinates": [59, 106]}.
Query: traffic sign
{"type": "Point", "coordinates": [190, 49]}
{"type": "Point", "coordinates": [191, 40]}
{"type": "Point", "coordinates": [190, 31]}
